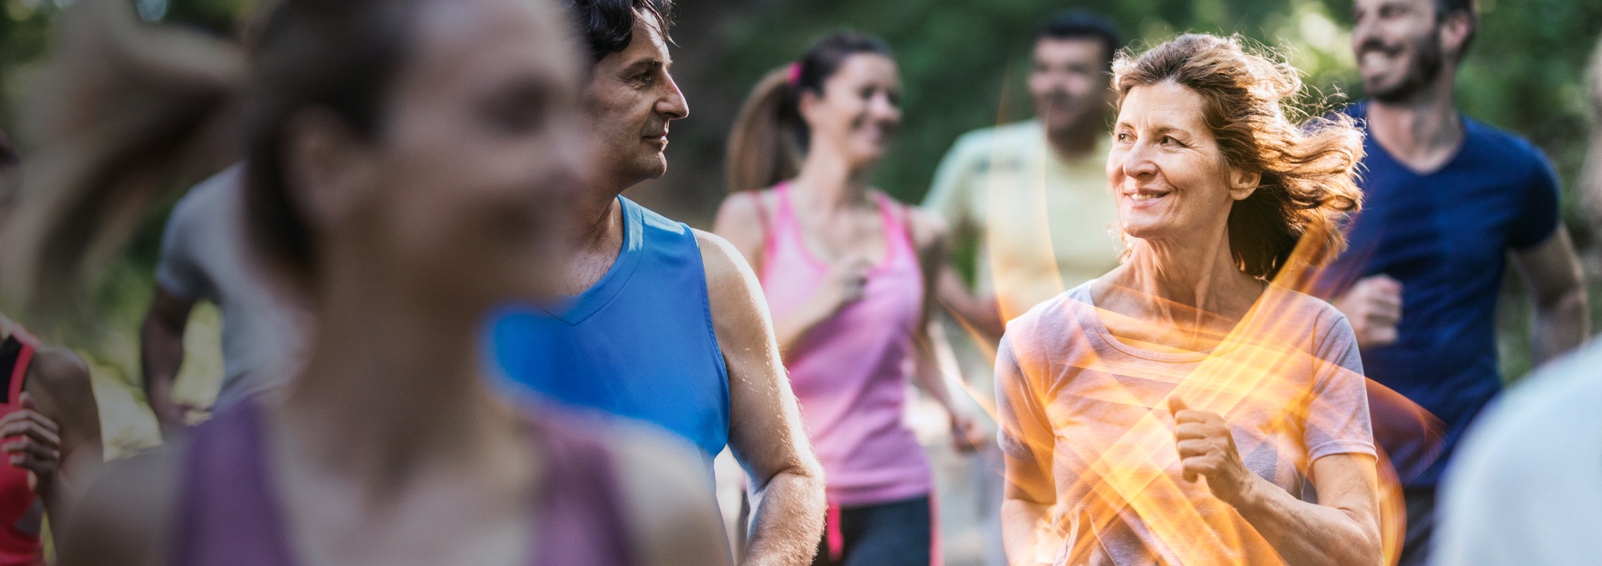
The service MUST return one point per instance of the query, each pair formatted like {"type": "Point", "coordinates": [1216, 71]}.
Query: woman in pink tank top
{"type": "Point", "coordinates": [848, 274]}
{"type": "Point", "coordinates": [407, 164]}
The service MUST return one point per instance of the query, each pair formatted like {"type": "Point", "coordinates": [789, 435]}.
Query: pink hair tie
{"type": "Point", "coordinates": [795, 74]}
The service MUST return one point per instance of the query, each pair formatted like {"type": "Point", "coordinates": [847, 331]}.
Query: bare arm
{"type": "Point", "coordinates": [1028, 445]}
{"type": "Point", "coordinates": [1023, 516]}
{"type": "Point", "coordinates": [161, 349]}
{"type": "Point", "coordinates": [1552, 273]}
{"type": "Point", "coordinates": [765, 432]}
{"type": "Point", "coordinates": [978, 313]}
{"type": "Point", "coordinates": [935, 357]}
{"type": "Point", "coordinates": [58, 388]}
{"type": "Point", "coordinates": [125, 516]}
{"type": "Point", "coordinates": [671, 519]}
{"type": "Point", "coordinates": [1342, 528]}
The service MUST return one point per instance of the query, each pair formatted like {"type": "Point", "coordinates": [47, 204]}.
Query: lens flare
{"type": "Point", "coordinates": [1134, 477]}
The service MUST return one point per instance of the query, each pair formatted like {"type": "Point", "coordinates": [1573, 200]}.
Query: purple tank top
{"type": "Point", "coordinates": [227, 513]}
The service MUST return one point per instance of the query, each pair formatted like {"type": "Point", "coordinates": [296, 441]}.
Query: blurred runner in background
{"type": "Point", "coordinates": [1447, 200]}
{"type": "Point", "coordinates": [849, 273]}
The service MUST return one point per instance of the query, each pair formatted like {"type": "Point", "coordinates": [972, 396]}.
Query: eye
{"type": "Point", "coordinates": [1169, 140]}
{"type": "Point", "coordinates": [1123, 137]}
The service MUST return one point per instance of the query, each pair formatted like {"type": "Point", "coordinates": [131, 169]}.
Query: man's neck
{"type": "Point", "coordinates": [1423, 132]}
{"type": "Point", "coordinates": [1077, 142]}
{"type": "Point", "coordinates": [599, 240]}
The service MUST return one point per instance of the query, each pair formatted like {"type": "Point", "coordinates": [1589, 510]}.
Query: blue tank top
{"type": "Point", "coordinates": [638, 344]}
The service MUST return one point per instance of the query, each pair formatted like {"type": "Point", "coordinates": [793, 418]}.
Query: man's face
{"type": "Point", "coordinates": [1068, 83]}
{"type": "Point", "coordinates": [1398, 47]}
{"type": "Point", "coordinates": [629, 101]}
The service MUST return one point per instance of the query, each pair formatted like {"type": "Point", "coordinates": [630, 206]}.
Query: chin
{"type": "Point", "coordinates": [652, 167]}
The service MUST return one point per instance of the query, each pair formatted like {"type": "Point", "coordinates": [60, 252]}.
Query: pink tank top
{"type": "Point", "coordinates": [850, 372]}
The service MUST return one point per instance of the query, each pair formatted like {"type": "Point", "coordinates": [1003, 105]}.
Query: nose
{"type": "Point", "coordinates": [673, 105]}
{"type": "Point", "coordinates": [1138, 162]}
{"type": "Point", "coordinates": [884, 110]}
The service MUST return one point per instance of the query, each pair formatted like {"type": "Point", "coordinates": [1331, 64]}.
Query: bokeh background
{"type": "Point", "coordinates": [962, 64]}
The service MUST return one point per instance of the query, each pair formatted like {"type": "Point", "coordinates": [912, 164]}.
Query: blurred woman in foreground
{"type": "Point", "coordinates": [407, 162]}
{"type": "Point", "coordinates": [1176, 409]}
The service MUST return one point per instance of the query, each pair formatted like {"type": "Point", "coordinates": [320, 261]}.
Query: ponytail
{"type": "Point", "coordinates": [769, 138]}
{"type": "Point", "coordinates": [124, 113]}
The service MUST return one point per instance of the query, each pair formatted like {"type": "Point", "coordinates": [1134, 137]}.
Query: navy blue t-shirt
{"type": "Point", "coordinates": [1445, 236]}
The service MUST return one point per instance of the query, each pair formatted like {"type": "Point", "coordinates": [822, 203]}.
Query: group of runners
{"type": "Point", "coordinates": [1217, 330]}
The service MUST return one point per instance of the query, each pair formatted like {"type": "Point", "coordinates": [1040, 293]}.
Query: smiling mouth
{"type": "Point", "coordinates": [1144, 196]}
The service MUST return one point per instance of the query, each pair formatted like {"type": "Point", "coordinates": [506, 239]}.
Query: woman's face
{"type": "Point", "coordinates": [463, 194]}
{"type": "Point", "coordinates": [1167, 173]}
{"type": "Point", "coordinates": [859, 112]}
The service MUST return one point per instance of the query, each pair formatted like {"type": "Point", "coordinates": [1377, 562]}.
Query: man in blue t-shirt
{"type": "Point", "coordinates": [1447, 199]}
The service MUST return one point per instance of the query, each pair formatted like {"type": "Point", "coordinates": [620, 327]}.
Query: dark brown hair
{"type": "Point", "coordinates": [607, 26]}
{"type": "Point", "coordinates": [769, 137]}
{"type": "Point", "coordinates": [1308, 170]}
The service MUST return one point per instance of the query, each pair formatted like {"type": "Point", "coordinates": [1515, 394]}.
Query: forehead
{"type": "Point", "coordinates": [465, 40]}
{"type": "Point", "coordinates": [866, 66]}
{"type": "Point", "coordinates": [1073, 50]}
{"type": "Point", "coordinates": [1163, 105]}
{"type": "Point", "coordinates": [647, 43]}
{"type": "Point", "coordinates": [1426, 6]}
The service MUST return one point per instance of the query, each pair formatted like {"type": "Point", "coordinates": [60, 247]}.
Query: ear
{"type": "Point", "coordinates": [1243, 183]}
{"type": "Point", "coordinates": [1454, 32]}
{"type": "Point", "coordinates": [328, 166]}
{"type": "Point", "coordinates": [807, 104]}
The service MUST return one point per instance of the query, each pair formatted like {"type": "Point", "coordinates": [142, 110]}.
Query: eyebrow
{"type": "Point", "coordinates": [644, 64]}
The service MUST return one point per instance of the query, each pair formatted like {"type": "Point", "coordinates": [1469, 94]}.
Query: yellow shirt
{"type": "Point", "coordinates": [1044, 224]}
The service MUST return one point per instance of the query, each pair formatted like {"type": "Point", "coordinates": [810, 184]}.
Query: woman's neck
{"type": "Point", "coordinates": [830, 182]}
{"type": "Point", "coordinates": [1189, 283]}
{"type": "Point", "coordinates": [392, 385]}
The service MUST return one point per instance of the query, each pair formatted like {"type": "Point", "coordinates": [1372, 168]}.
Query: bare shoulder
{"type": "Point", "coordinates": [59, 382]}
{"type": "Point", "coordinates": [743, 218]}
{"type": "Point", "coordinates": [668, 499]}
{"type": "Point", "coordinates": [125, 516]}
{"type": "Point", "coordinates": [728, 274]}
{"type": "Point", "coordinates": [929, 230]}
{"type": "Point", "coordinates": [56, 369]}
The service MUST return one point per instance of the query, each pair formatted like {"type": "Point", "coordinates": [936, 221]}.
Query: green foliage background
{"type": "Point", "coordinates": [962, 63]}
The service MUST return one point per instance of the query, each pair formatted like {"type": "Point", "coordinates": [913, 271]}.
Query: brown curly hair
{"type": "Point", "coordinates": [1308, 170]}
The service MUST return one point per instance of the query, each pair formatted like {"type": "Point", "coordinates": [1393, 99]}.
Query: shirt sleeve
{"type": "Point", "coordinates": [953, 188]}
{"type": "Point", "coordinates": [1025, 433]}
{"type": "Point", "coordinates": [1540, 215]}
{"type": "Point", "coordinates": [1337, 420]}
{"type": "Point", "coordinates": [179, 271]}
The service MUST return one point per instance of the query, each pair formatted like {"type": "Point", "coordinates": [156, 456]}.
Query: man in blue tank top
{"type": "Point", "coordinates": [1447, 199]}
{"type": "Point", "coordinates": [663, 323]}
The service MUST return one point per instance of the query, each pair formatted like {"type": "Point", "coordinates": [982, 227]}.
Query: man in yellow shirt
{"type": "Point", "coordinates": [1033, 197]}
{"type": "Point", "coordinates": [1034, 194]}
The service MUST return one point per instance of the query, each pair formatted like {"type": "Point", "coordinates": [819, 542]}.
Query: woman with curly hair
{"type": "Point", "coordinates": [1178, 409]}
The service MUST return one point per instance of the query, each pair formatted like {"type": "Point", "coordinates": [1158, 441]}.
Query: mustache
{"type": "Point", "coordinates": [1376, 45]}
